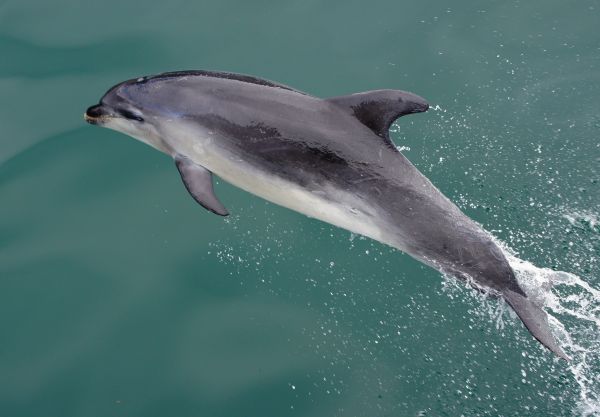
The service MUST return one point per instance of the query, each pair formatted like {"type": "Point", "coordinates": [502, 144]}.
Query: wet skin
{"type": "Point", "coordinates": [336, 151]}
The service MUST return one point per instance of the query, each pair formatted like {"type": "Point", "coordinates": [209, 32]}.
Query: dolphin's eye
{"type": "Point", "coordinates": [130, 115]}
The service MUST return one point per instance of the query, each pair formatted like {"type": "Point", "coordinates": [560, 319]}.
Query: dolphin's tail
{"type": "Point", "coordinates": [535, 319]}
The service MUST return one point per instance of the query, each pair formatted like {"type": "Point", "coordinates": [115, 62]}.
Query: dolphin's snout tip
{"type": "Point", "coordinates": [95, 111]}
{"type": "Point", "coordinates": [94, 114]}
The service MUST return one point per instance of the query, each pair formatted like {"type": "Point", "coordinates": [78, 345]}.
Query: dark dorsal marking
{"type": "Point", "coordinates": [224, 75]}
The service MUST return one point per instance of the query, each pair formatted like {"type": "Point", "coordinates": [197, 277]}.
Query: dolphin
{"type": "Point", "coordinates": [331, 159]}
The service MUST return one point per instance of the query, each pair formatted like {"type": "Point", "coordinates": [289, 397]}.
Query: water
{"type": "Point", "coordinates": [120, 296]}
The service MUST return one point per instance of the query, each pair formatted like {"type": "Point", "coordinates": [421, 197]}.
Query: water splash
{"type": "Point", "coordinates": [583, 220]}
{"type": "Point", "coordinates": [577, 304]}
{"type": "Point", "coordinates": [572, 303]}
{"type": "Point", "coordinates": [437, 107]}
{"type": "Point", "coordinates": [574, 315]}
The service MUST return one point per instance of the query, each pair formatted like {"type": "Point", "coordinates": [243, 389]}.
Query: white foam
{"type": "Point", "coordinates": [437, 108]}
{"type": "Point", "coordinates": [578, 219]}
{"type": "Point", "coordinates": [577, 304]}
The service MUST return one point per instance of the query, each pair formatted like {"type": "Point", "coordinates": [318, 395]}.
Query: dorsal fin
{"type": "Point", "coordinates": [378, 109]}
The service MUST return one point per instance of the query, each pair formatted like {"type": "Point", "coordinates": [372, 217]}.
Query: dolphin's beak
{"type": "Point", "coordinates": [95, 114]}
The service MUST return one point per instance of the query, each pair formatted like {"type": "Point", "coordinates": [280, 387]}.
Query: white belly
{"type": "Point", "coordinates": [328, 204]}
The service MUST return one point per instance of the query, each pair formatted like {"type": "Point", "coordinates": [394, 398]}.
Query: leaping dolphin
{"type": "Point", "coordinates": [331, 159]}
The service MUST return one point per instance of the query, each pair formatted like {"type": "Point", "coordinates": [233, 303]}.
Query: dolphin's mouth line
{"type": "Point", "coordinates": [95, 120]}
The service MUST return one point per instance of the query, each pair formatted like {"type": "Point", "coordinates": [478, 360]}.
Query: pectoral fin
{"type": "Point", "coordinates": [198, 181]}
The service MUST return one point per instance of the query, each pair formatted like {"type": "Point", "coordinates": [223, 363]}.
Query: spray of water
{"type": "Point", "coordinates": [574, 308]}
{"type": "Point", "coordinates": [572, 303]}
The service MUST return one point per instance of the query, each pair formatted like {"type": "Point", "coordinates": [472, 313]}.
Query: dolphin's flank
{"type": "Point", "coordinates": [331, 159]}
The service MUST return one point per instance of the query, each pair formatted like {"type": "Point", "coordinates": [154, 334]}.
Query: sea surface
{"type": "Point", "coordinates": [120, 296]}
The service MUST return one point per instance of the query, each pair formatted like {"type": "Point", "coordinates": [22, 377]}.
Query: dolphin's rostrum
{"type": "Point", "coordinates": [331, 159]}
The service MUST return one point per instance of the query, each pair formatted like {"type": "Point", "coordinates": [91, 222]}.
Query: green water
{"type": "Point", "coordinates": [119, 296]}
